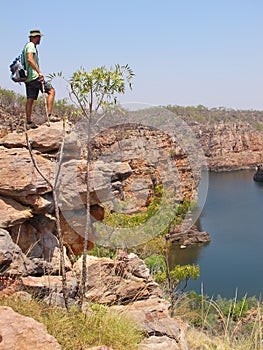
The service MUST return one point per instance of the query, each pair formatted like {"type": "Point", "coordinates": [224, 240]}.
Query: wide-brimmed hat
{"type": "Point", "coordinates": [35, 32]}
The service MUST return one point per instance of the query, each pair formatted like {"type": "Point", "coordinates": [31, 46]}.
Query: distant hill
{"type": "Point", "coordinates": [203, 115]}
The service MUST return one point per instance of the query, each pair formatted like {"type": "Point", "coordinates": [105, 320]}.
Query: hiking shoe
{"type": "Point", "coordinates": [31, 125]}
{"type": "Point", "coordinates": [53, 118]}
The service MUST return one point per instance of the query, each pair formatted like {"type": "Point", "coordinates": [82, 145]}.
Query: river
{"type": "Point", "coordinates": [233, 216]}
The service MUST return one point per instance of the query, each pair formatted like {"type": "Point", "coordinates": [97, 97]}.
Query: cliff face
{"type": "Point", "coordinates": [128, 164]}
{"type": "Point", "coordinates": [231, 146]}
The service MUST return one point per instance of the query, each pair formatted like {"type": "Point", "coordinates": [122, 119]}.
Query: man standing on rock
{"type": "Point", "coordinates": [35, 81]}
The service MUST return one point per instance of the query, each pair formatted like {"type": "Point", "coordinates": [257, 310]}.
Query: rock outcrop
{"type": "Point", "coordinates": [12, 258]}
{"type": "Point", "coordinates": [191, 237]}
{"type": "Point", "coordinates": [231, 146]}
{"type": "Point", "coordinates": [160, 343]}
{"type": "Point", "coordinates": [258, 176]}
{"type": "Point", "coordinates": [27, 208]}
{"type": "Point", "coordinates": [20, 332]}
{"type": "Point", "coordinates": [126, 286]}
{"type": "Point", "coordinates": [122, 280]}
{"type": "Point", "coordinates": [128, 163]}
{"type": "Point", "coordinates": [152, 316]}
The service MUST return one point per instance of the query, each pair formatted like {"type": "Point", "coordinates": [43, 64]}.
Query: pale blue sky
{"type": "Point", "coordinates": [183, 52]}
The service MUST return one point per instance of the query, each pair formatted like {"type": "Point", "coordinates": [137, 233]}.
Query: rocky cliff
{"type": "Point", "coordinates": [231, 146]}
{"type": "Point", "coordinates": [124, 284]}
{"type": "Point", "coordinates": [29, 246]}
{"type": "Point", "coordinates": [128, 164]}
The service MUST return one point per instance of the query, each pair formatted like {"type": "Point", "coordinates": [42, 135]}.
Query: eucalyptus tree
{"type": "Point", "coordinates": [94, 92]}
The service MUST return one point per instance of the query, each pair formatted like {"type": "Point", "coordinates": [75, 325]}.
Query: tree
{"type": "Point", "coordinates": [53, 187]}
{"type": "Point", "coordinates": [169, 278]}
{"type": "Point", "coordinates": [94, 92]}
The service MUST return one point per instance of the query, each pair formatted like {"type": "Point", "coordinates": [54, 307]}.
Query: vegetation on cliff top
{"type": "Point", "coordinates": [207, 116]}
{"type": "Point", "coordinates": [13, 103]}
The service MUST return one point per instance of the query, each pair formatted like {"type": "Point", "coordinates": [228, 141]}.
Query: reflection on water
{"type": "Point", "coordinates": [190, 255]}
{"type": "Point", "coordinates": [184, 256]}
{"type": "Point", "coordinates": [233, 216]}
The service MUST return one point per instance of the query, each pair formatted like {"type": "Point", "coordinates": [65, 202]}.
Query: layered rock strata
{"type": "Point", "coordinates": [126, 286]}
{"type": "Point", "coordinates": [231, 146]}
{"type": "Point", "coordinates": [128, 164]}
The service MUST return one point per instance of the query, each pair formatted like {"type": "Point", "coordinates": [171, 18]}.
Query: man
{"type": "Point", "coordinates": [35, 81]}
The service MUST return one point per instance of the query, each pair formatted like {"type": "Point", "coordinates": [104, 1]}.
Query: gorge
{"type": "Point", "coordinates": [29, 246]}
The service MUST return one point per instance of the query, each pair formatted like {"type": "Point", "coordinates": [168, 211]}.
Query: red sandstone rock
{"type": "Point", "coordinates": [20, 332]}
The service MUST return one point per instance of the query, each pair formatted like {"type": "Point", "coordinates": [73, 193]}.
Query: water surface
{"type": "Point", "coordinates": [233, 216]}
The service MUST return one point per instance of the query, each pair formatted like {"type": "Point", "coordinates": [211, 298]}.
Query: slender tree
{"type": "Point", "coordinates": [53, 186]}
{"type": "Point", "coordinates": [94, 92]}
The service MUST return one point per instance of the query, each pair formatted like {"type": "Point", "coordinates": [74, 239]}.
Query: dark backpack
{"type": "Point", "coordinates": [17, 68]}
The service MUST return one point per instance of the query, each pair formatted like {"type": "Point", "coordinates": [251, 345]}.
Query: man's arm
{"type": "Point", "coordinates": [31, 61]}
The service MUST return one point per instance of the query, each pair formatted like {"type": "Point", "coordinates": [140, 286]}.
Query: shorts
{"type": "Point", "coordinates": [34, 86]}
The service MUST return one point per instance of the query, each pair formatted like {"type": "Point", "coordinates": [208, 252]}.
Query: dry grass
{"type": "Point", "coordinates": [213, 324]}
{"type": "Point", "coordinates": [222, 326]}
{"type": "Point", "coordinates": [79, 330]}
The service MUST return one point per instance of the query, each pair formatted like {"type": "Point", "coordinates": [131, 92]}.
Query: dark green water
{"type": "Point", "coordinates": [233, 216]}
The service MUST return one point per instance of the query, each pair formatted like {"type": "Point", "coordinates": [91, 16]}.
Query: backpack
{"type": "Point", "coordinates": [17, 68]}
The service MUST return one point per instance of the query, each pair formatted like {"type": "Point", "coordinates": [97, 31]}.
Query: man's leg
{"type": "Point", "coordinates": [50, 100]}
{"type": "Point", "coordinates": [29, 106]}
{"type": "Point", "coordinates": [31, 94]}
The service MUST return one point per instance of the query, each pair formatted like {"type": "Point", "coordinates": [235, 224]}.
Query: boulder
{"type": "Point", "coordinates": [27, 238]}
{"type": "Point", "coordinates": [43, 139]}
{"type": "Point", "coordinates": [72, 188]}
{"type": "Point", "coordinates": [258, 176]}
{"type": "Point", "coordinates": [160, 343]}
{"type": "Point", "coordinates": [36, 238]}
{"type": "Point", "coordinates": [72, 185]}
{"type": "Point", "coordinates": [73, 229]}
{"type": "Point", "coordinates": [152, 316]}
{"type": "Point", "coordinates": [12, 259]}
{"type": "Point", "coordinates": [38, 203]}
{"type": "Point", "coordinates": [50, 287]}
{"type": "Point", "coordinates": [12, 212]}
{"type": "Point", "coordinates": [18, 177]}
{"type": "Point", "coordinates": [190, 237]}
{"type": "Point", "coordinates": [20, 332]}
{"type": "Point", "coordinates": [121, 280]}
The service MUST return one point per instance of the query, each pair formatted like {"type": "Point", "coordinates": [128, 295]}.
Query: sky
{"type": "Point", "coordinates": [183, 52]}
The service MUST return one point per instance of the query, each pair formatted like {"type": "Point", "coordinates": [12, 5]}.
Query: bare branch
{"type": "Point", "coordinates": [56, 208]}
